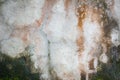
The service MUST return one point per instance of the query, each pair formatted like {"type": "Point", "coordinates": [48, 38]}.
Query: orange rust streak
{"type": "Point", "coordinates": [81, 16]}
{"type": "Point", "coordinates": [91, 64]}
{"type": "Point", "coordinates": [46, 11]}
{"type": "Point", "coordinates": [38, 22]}
{"type": "Point", "coordinates": [66, 4]}
{"type": "Point", "coordinates": [21, 33]}
{"type": "Point", "coordinates": [80, 43]}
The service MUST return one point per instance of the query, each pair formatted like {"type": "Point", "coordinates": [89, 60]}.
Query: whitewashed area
{"type": "Point", "coordinates": [49, 30]}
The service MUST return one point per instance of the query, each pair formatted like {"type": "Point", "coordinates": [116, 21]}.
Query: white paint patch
{"type": "Point", "coordinates": [38, 49]}
{"type": "Point", "coordinates": [92, 35]}
{"type": "Point", "coordinates": [54, 29]}
{"type": "Point", "coordinates": [115, 37]}
{"type": "Point", "coordinates": [103, 58]}
{"type": "Point", "coordinates": [64, 60]}
{"type": "Point", "coordinates": [21, 12]}
{"type": "Point", "coordinates": [62, 34]}
{"type": "Point", "coordinates": [5, 30]}
{"type": "Point", "coordinates": [12, 47]}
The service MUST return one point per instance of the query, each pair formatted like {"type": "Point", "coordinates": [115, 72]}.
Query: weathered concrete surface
{"type": "Point", "coordinates": [65, 38]}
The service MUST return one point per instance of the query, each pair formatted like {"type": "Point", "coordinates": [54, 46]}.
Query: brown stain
{"type": "Point", "coordinates": [110, 4]}
{"type": "Point", "coordinates": [81, 11]}
{"type": "Point", "coordinates": [47, 8]}
{"type": "Point", "coordinates": [81, 15]}
{"type": "Point", "coordinates": [101, 17]}
{"type": "Point", "coordinates": [54, 75]}
{"type": "Point", "coordinates": [68, 76]}
{"type": "Point", "coordinates": [48, 5]}
{"type": "Point", "coordinates": [106, 31]}
{"type": "Point", "coordinates": [80, 43]}
{"type": "Point", "coordinates": [46, 12]}
{"type": "Point", "coordinates": [67, 4]}
{"type": "Point", "coordinates": [95, 15]}
{"type": "Point", "coordinates": [91, 64]}
{"type": "Point", "coordinates": [83, 76]}
{"type": "Point", "coordinates": [82, 68]}
{"type": "Point", "coordinates": [38, 22]}
{"type": "Point", "coordinates": [21, 33]}
{"type": "Point", "coordinates": [106, 44]}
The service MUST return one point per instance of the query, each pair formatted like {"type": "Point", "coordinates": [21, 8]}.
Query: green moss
{"type": "Point", "coordinates": [16, 69]}
{"type": "Point", "coordinates": [111, 70]}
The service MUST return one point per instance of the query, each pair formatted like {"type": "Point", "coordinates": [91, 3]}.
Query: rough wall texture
{"type": "Point", "coordinates": [65, 38]}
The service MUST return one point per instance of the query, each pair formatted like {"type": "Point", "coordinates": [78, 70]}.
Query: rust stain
{"type": "Point", "coordinates": [47, 8]}
{"type": "Point", "coordinates": [91, 64]}
{"type": "Point", "coordinates": [21, 33]}
{"type": "Point", "coordinates": [81, 14]}
{"type": "Point", "coordinates": [46, 12]}
{"type": "Point", "coordinates": [80, 43]}
{"type": "Point", "coordinates": [67, 4]}
{"type": "Point", "coordinates": [82, 68]}
{"type": "Point", "coordinates": [38, 22]}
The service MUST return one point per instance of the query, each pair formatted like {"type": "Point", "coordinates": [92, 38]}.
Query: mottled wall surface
{"type": "Point", "coordinates": [65, 38]}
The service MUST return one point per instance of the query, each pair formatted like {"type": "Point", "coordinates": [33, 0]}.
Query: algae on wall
{"type": "Point", "coordinates": [16, 69]}
{"type": "Point", "coordinates": [110, 71]}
